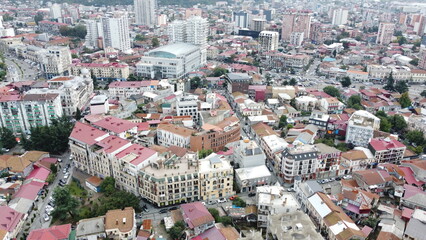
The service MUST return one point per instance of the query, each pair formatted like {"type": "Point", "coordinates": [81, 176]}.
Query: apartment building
{"type": "Point", "coordinates": [20, 113]}
{"type": "Point", "coordinates": [360, 129]}
{"type": "Point", "coordinates": [268, 40]}
{"type": "Point", "coordinates": [56, 62]}
{"type": "Point", "coordinates": [300, 161]}
{"type": "Point", "coordinates": [117, 126]}
{"type": "Point", "coordinates": [216, 177]}
{"type": "Point", "coordinates": [328, 161]}
{"type": "Point", "coordinates": [296, 21]}
{"type": "Point", "coordinates": [247, 153]}
{"type": "Point", "coordinates": [385, 33]}
{"type": "Point", "coordinates": [269, 201]}
{"type": "Point", "coordinates": [103, 71]}
{"type": "Point", "coordinates": [188, 106]}
{"type": "Point", "coordinates": [387, 150]}
{"type": "Point", "coordinates": [115, 30]}
{"type": "Point", "coordinates": [356, 160]}
{"type": "Point", "coordinates": [238, 82]}
{"type": "Point", "coordinates": [216, 136]}
{"type": "Point", "coordinates": [75, 91]}
{"type": "Point", "coordinates": [331, 105]}
{"type": "Point", "coordinates": [50, 27]}
{"type": "Point", "coordinates": [124, 90]}
{"type": "Point", "coordinates": [169, 134]}
{"type": "Point", "coordinates": [170, 180]}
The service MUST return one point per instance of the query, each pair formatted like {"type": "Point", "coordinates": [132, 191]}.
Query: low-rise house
{"type": "Point", "coordinates": [416, 227]}
{"type": "Point", "coordinates": [197, 218]}
{"type": "Point", "coordinates": [358, 202]}
{"type": "Point", "coordinates": [332, 219]}
{"type": "Point", "coordinates": [418, 167]}
{"type": "Point", "coordinates": [60, 232]}
{"type": "Point", "coordinates": [373, 180]}
{"type": "Point", "coordinates": [304, 190]}
{"type": "Point", "coordinates": [120, 224]}
{"type": "Point", "coordinates": [11, 222]}
{"type": "Point", "coordinates": [319, 119]}
{"type": "Point", "coordinates": [247, 153]}
{"type": "Point", "coordinates": [169, 134]}
{"type": "Point", "coordinates": [356, 160]}
{"type": "Point", "coordinates": [413, 198]}
{"type": "Point", "coordinates": [331, 105]}
{"type": "Point", "coordinates": [91, 228]}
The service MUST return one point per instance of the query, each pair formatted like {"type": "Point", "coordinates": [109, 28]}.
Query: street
{"type": "Point", "coordinates": [19, 70]}
{"type": "Point", "coordinates": [40, 204]}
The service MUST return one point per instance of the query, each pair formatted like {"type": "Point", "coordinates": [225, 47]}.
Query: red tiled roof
{"type": "Point", "coordinates": [9, 218]}
{"type": "Point", "coordinates": [142, 153]}
{"type": "Point", "coordinates": [39, 173]}
{"type": "Point", "coordinates": [29, 190]}
{"type": "Point", "coordinates": [115, 125]}
{"type": "Point", "coordinates": [133, 84]}
{"type": "Point", "coordinates": [112, 143]}
{"type": "Point", "coordinates": [382, 144]}
{"type": "Point", "coordinates": [86, 134]}
{"type": "Point", "coordinates": [53, 233]}
{"type": "Point", "coordinates": [196, 214]}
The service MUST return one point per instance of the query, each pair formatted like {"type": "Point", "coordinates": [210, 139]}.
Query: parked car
{"type": "Point", "coordinates": [221, 200]}
{"type": "Point", "coordinates": [233, 197]}
{"type": "Point", "coordinates": [66, 175]}
{"type": "Point", "coordinates": [252, 194]}
{"type": "Point", "coordinates": [211, 202]}
{"type": "Point", "coordinates": [347, 177]}
{"type": "Point", "coordinates": [46, 217]}
{"type": "Point", "coordinates": [173, 208]}
{"type": "Point", "coordinates": [165, 210]}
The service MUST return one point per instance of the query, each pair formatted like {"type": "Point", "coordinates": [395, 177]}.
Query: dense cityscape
{"type": "Point", "coordinates": [212, 120]}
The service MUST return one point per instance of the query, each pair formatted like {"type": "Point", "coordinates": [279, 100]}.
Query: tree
{"type": "Point", "coordinates": [218, 71]}
{"type": "Point", "coordinates": [401, 86]}
{"type": "Point", "coordinates": [293, 82]}
{"type": "Point", "coordinates": [79, 31]}
{"type": "Point", "coordinates": [354, 101]}
{"type": "Point", "coordinates": [155, 42]}
{"type": "Point", "coordinates": [195, 82]}
{"type": "Point", "coordinates": [416, 137]}
{"type": "Point", "coordinates": [283, 121]}
{"type": "Point", "coordinates": [53, 138]}
{"type": "Point", "coordinates": [7, 17]}
{"type": "Point", "coordinates": [423, 93]}
{"type": "Point", "coordinates": [65, 204]}
{"type": "Point", "coordinates": [108, 186]}
{"type": "Point", "coordinates": [215, 213]}
{"type": "Point", "coordinates": [203, 153]}
{"type": "Point", "coordinates": [398, 123]}
{"type": "Point", "coordinates": [140, 38]}
{"type": "Point", "coordinates": [285, 83]}
{"type": "Point", "coordinates": [390, 83]}
{"type": "Point", "coordinates": [346, 82]}
{"type": "Point", "coordinates": [53, 168]}
{"type": "Point", "coordinates": [326, 141]}
{"type": "Point", "coordinates": [226, 220]}
{"type": "Point", "coordinates": [176, 231]}
{"type": "Point", "coordinates": [78, 115]}
{"type": "Point", "coordinates": [332, 91]}
{"type": "Point", "coordinates": [385, 125]}
{"type": "Point", "coordinates": [239, 202]}
{"type": "Point", "coordinates": [414, 62]}
{"type": "Point", "coordinates": [401, 40]}
{"type": "Point", "coordinates": [7, 139]}
{"type": "Point", "coordinates": [405, 100]}
{"type": "Point", "coordinates": [39, 17]}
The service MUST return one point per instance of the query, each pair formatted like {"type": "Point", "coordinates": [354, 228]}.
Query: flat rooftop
{"type": "Point", "coordinates": [280, 222]}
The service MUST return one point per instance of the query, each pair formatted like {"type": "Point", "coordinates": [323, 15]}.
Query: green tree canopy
{"type": "Point", "coordinates": [218, 71]}
{"type": "Point", "coordinates": [346, 82]}
{"type": "Point", "coordinates": [53, 138]}
{"type": "Point", "coordinates": [176, 231]}
{"type": "Point", "coordinates": [405, 100]}
{"type": "Point", "coordinates": [385, 125]}
{"type": "Point", "coordinates": [140, 38]}
{"type": "Point", "coordinates": [196, 82]}
{"type": "Point", "coordinates": [332, 91]}
{"type": "Point", "coordinates": [239, 202]}
{"type": "Point", "coordinates": [292, 82]}
{"type": "Point", "coordinates": [7, 139]}
{"type": "Point", "coordinates": [108, 186]}
{"type": "Point", "coordinates": [354, 101]}
{"type": "Point", "coordinates": [401, 86]}
{"type": "Point", "coordinates": [66, 205]}
{"type": "Point", "coordinates": [415, 136]}
{"type": "Point", "coordinates": [203, 153]}
{"type": "Point", "coordinates": [39, 17]}
{"type": "Point", "coordinates": [398, 123]}
{"type": "Point", "coordinates": [390, 82]}
{"type": "Point", "coordinates": [79, 31]}
{"type": "Point", "coordinates": [423, 93]}
{"type": "Point", "coordinates": [283, 121]}
{"type": "Point", "coordinates": [155, 42]}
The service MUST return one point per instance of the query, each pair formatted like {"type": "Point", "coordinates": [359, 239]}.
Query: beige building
{"type": "Point", "coordinates": [216, 177]}
{"type": "Point", "coordinates": [170, 180]}
{"type": "Point", "coordinates": [120, 224]}
{"type": "Point", "coordinates": [103, 71]}
{"type": "Point", "coordinates": [169, 134]}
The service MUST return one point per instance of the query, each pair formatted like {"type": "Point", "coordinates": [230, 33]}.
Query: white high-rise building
{"type": "Point", "coordinates": [340, 17]}
{"type": "Point", "coordinates": [385, 33]}
{"type": "Point", "coordinates": [56, 11]}
{"type": "Point", "coordinates": [241, 19]}
{"type": "Point", "coordinates": [116, 31]}
{"type": "Point", "coordinates": [296, 38]}
{"type": "Point", "coordinates": [193, 30]}
{"type": "Point", "coordinates": [361, 127]}
{"type": "Point", "coordinates": [94, 31]}
{"type": "Point", "coordinates": [269, 40]}
{"type": "Point", "coordinates": [56, 61]}
{"type": "Point", "coordinates": [145, 12]}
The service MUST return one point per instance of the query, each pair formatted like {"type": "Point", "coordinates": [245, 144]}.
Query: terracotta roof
{"type": "Point", "coordinates": [387, 236]}
{"type": "Point", "coordinates": [196, 214]}
{"type": "Point", "coordinates": [383, 144]}
{"type": "Point", "coordinates": [418, 163]}
{"type": "Point", "coordinates": [178, 151]}
{"type": "Point", "coordinates": [9, 218]}
{"type": "Point", "coordinates": [53, 233]}
{"type": "Point", "coordinates": [182, 131]}
{"type": "Point", "coordinates": [95, 181]}
{"type": "Point", "coordinates": [262, 130]}
{"type": "Point", "coordinates": [374, 176]}
{"type": "Point", "coordinates": [120, 219]}
{"type": "Point", "coordinates": [115, 125]}
{"type": "Point", "coordinates": [354, 155]}
{"type": "Point", "coordinates": [86, 134]}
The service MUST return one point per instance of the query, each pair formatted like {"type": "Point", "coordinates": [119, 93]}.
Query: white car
{"type": "Point", "coordinates": [221, 200]}
{"type": "Point", "coordinates": [46, 217]}
{"type": "Point", "coordinates": [66, 175]}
